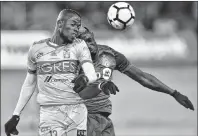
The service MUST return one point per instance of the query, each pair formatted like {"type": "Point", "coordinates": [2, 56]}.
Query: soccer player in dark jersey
{"type": "Point", "coordinates": [96, 95]}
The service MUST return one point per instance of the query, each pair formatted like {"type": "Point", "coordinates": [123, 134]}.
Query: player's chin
{"type": "Point", "coordinates": [71, 39]}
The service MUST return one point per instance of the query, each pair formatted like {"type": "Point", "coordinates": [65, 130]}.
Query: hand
{"type": "Point", "coordinates": [183, 100]}
{"type": "Point", "coordinates": [80, 83]}
{"type": "Point", "coordinates": [10, 126]}
{"type": "Point", "coordinates": [108, 87]}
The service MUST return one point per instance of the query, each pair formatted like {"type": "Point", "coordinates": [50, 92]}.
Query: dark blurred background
{"type": "Point", "coordinates": [173, 22]}
{"type": "Point", "coordinates": [42, 15]}
{"type": "Point", "coordinates": [162, 41]}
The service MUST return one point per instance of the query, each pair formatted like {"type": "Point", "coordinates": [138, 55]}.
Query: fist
{"type": "Point", "coordinates": [109, 87]}
{"type": "Point", "coordinates": [183, 100]}
{"type": "Point", "coordinates": [10, 126]}
{"type": "Point", "coordinates": [80, 83]}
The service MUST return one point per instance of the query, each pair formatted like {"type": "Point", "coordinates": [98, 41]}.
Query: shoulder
{"type": "Point", "coordinates": [119, 57]}
{"type": "Point", "coordinates": [106, 48]}
{"type": "Point", "coordinates": [100, 46]}
{"type": "Point", "coordinates": [38, 44]}
{"type": "Point", "coordinates": [41, 41]}
{"type": "Point", "coordinates": [77, 40]}
{"type": "Point", "coordinates": [109, 49]}
{"type": "Point", "coordinates": [79, 43]}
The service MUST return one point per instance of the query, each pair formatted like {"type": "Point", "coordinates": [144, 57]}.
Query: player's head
{"type": "Point", "coordinates": [68, 24]}
{"type": "Point", "coordinates": [88, 37]}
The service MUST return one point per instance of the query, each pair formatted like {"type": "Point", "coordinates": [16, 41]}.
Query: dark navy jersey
{"type": "Point", "coordinates": [106, 60]}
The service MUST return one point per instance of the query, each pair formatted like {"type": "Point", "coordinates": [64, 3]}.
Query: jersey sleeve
{"type": "Point", "coordinates": [121, 61]}
{"type": "Point", "coordinates": [83, 53]}
{"type": "Point", "coordinates": [31, 63]}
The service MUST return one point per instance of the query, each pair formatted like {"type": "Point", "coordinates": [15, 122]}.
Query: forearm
{"type": "Point", "coordinates": [27, 90]}
{"type": "Point", "coordinates": [90, 91]}
{"type": "Point", "coordinates": [153, 83]}
{"type": "Point", "coordinates": [147, 80]}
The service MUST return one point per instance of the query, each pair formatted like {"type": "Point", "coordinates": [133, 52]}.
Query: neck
{"type": "Point", "coordinates": [64, 39]}
{"type": "Point", "coordinates": [59, 39]}
{"type": "Point", "coordinates": [56, 38]}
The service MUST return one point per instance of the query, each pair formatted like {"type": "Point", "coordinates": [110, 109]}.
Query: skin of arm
{"type": "Point", "coordinates": [89, 71]}
{"type": "Point", "coordinates": [147, 80]}
{"type": "Point", "coordinates": [27, 90]}
{"type": "Point", "coordinates": [84, 56]}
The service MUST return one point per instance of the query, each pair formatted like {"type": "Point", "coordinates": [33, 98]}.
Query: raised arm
{"type": "Point", "coordinates": [84, 57]}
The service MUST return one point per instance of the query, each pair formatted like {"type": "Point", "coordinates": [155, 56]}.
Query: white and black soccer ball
{"type": "Point", "coordinates": [121, 15]}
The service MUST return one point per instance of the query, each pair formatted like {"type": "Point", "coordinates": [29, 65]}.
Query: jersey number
{"type": "Point", "coordinates": [54, 133]}
{"type": "Point", "coordinates": [106, 74]}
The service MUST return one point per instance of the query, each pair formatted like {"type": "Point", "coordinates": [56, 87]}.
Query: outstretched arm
{"type": "Point", "coordinates": [151, 82]}
{"type": "Point", "coordinates": [148, 80]}
{"type": "Point", "coordinates": [145, 79]}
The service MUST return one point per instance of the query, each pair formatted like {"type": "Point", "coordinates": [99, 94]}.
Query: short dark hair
{"type": "Point", "coordinates": [67, 13]}
{"type": "Point", "coordinates": [72, 11]}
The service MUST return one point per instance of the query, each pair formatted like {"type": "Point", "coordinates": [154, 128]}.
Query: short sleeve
{"type": "Point", "coordinates": [121, 61]}
{"type": "Point", "coordinates": [83, 52]}
{"type": "Point", "coordinates": [31, 63]}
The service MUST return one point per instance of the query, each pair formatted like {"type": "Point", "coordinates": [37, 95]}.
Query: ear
{"type": "Point", "coordinates": [60, 23]}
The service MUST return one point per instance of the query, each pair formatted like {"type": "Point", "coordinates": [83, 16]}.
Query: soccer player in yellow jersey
{"type": "Point", "coordinates": [106, 60]}
{"type": "Point", "coordinates": [52, 64]}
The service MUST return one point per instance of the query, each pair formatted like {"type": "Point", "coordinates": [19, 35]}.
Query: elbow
{"type": "Point", "coordinates": [89, 71]}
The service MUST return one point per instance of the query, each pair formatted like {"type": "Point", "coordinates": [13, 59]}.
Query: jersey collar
{"type": "Point", "coordinates": [54, 45]}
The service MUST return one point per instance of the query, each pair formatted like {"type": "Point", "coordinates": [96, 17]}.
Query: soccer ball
{"type": "Point", "coordinates": [121, 15]}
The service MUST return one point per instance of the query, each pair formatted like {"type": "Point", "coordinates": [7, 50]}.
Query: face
{"type": "Point", "coordinates": [88, 37]}
{"type": "Point", "coordinates": [70, 28]}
